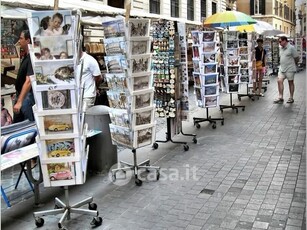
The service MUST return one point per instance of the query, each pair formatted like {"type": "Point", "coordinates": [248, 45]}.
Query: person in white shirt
{"type": "Point", "coordinates": [90, 78]}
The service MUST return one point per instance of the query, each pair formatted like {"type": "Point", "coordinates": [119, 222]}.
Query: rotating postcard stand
{"type": "Point", "coordinates": [58, 111]}
{"type": "Point", "coordinates": [166, 69]}
{"type": "Point", "coordinates": [246, 60]}
{"type": "Point", "coordinates": [130, 93]}
{"type": "Point", "coordinates": [183, 81]}
{"type": "Point", "coordinates": [232, 67]}
{"type": "Point", "coordinates": [205, 74]}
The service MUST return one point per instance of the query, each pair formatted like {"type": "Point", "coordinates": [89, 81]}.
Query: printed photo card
{"type": "Point", "coordinates": [115, 45]}
{"type": "Point", "coordinates": [208, 36]}
{"type": "Point", "coordinates": [138, 27]}
{"type": "Point", "coordinates": [211, 101]}
{"type": "Point", "coordinates": [54, 72]}
{"type": "Point", "coordinates": [51, 23]}
{"type": "Point", "coordinates": [53, 48]}
{"type": "Point", "coordinates": [114, 28]}
{"type": "Point", "coordinates": [117, 81]}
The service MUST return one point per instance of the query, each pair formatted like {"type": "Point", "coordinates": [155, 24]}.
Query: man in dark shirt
{"type": "Point", "coordinates": [24, 96]}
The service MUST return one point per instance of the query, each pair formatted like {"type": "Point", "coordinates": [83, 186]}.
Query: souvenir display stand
{"type": "Point", "coordinates": [299, 48]}
{"type": "Point", "coordinates": [170, 78]}
{"type": "Point", "coordinates": [232, 66]}
{"type": "Point", "coordinates": [130, 95]}
{"type": "Point", "coordinates": [247, 61]}
{"type": "Point", "coordinates": [275, 56]}
{"type": "Point", "coordinates": [205, 74]}
{"type": "Point", "coordinates": [59, 112]}
{"type": "Point", "coordinates": [183, 80]}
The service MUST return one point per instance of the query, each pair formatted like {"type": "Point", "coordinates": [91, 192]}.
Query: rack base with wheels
{"type": "Point", "coordinates": [169, 138]}
{"type": "Point", "coordinates": [135, 167]}
{"type": "Point", "coordinates": [232, 106]}
{"type": "Point", "coordinates": [190, 135]}
{"type": "Point", "coordinates": [211, 120]}
{"type": "Point", "coordinates": [66, 209]}
{"type": "Point", "coordinates": [250, 95]}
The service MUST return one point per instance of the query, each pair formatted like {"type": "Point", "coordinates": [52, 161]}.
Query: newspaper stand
{"type": "Point", "coordinates": [59, 112]}
{"type": "Point", "coordinates": [130, 94]}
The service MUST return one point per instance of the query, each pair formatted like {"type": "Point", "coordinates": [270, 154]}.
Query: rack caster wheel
{"type": "Point", "coordinates": [243, 109]}
{"type": "Point", "coordinates": [222, 122]}
{"type": "Point", "coordinates": [239, 98]}
{"type": "Point", "coordinates": [92, 206]}
{"type": "Point", "coordinates": [113, 178]}
{"type": "Point", "coordinates": [61, 227]}
{"type": "Point", "coordinates": [186, 147]}
{"type": "Point", "coordinates": [97, 221]}
{"type": "Point", "coordinates": [158, 175]}
{"type": "Point", "coordinates": [155, 145]}
{"type": "Point", "coordinates": [214, 126]}
{"type": "Point", "coordinates": [148, 164]}
{"type": "Point", "coordinates": [138, 182]}
{"type": "Point", "coordinates": [237, 111]}
{"type": "Point", "coordinates": [197, 125]}
{"type": "Point", "coordinates": [39, 222]}
{"type": "Point", "coordinates": [194, 140]}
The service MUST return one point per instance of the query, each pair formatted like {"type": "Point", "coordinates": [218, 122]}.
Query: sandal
{"type": "Point", "coordinates": [278, 101]}
{"type": "Point", "coordinates": [290, 100]}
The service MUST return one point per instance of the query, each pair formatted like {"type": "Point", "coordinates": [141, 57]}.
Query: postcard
{"type": "Point", "coordinates": [121, 135]}
{"type": "Point", "coordinates": [210, 90]}
{"type": "Point", "coordinates": [116, 64]}
{"type": "Point", "coordinates": [120, 117]}
{"type": "Point", "coordinates": [51, 23]}
{"type": "Point", "coordinates": [54, 72]}
{"type": "Point", "coordinates": [209, 79]}
{"type": "Point", "coordinates": [209, 47]}
{"type": "Point", "coordinates": [117, 81]}
{"type": "Point", "coordinates": [211, 101]}
{"type": "Point", "coordinates": [139, 46]}
{"type": "Point", "coordinates": [61, 171]}
{"type": "Point", "coordinates": [232, 44]}
{"type": "Point", "coordinates": [56, 99]}
{"type": "Point", "coordinates": [208, 36]}
{"type": "Point", "coordinates": [138, 27]}
{"type": "Point", "coordinates": [115, 45]}
{"type": "Point", "coordinates": [209, 57]}
{"type": "Point", "coordinates": [210, 68]}
{"type": "Point", "coordinates": [118, 99]}
{"type": "Point", "coordinates": [114, 28]}
{"type": "Point", "coordinates": [195, 37]}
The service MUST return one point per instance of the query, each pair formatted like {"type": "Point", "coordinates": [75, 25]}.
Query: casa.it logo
{"type": "Point", "coordinates": [121, 175]}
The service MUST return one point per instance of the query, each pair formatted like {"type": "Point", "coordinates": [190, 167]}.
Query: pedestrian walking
{"type": "Point", "coordinates": [288, 66]}
{"type": "Point", "coordinates": [24, 95]}
{"type": "Point", "coordinates": [260, 55]}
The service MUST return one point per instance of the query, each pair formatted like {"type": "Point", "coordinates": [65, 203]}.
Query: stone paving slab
{"type": "Point", "coordinates": [249, 173]}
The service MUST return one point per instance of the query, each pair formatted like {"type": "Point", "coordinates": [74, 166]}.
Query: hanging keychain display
{"type": "Point", "coordinates": [163, 60]}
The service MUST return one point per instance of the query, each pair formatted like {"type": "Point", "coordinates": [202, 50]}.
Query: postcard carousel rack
{"type": "Point", "coordinates": [170, 78]}
{"type": "Point", "coordinates": [59, 112]}
{"type": "Point", "coordinates": [232, 66]}
{"type": "Point", "coordinates": [205, 74]}
{"type": "Point", "coordinates": [130, 95]}
{"type": "Point", "coordinates": [246, 60]}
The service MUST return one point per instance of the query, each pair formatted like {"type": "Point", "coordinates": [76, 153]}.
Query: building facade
{"type": "Point", "coordinates": [191, 10]}
{"type": "Point", "coordinates": [279, 13]}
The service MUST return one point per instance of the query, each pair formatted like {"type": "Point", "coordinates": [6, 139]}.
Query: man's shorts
{"type": "Point", "coordinates": [287, 75]}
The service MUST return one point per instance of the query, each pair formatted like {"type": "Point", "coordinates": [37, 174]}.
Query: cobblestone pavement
{"type": "Point", "coordinates": [249, 173]}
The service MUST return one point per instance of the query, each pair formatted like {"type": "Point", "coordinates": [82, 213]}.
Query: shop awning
{"type": "Point", "coordinates": [84, 6]}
